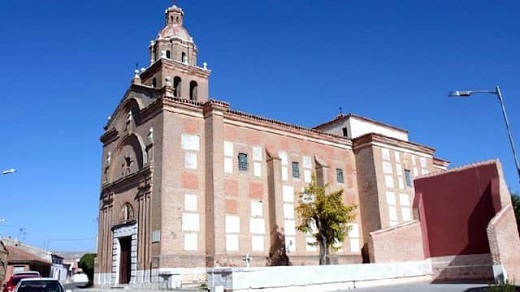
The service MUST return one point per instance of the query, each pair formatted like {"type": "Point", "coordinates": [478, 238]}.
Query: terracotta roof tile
{"type": "Point", "coordinates": [18, 255]}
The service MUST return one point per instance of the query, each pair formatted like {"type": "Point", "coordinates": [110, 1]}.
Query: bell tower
{"type": "Point", "coordinates": [173, 60]}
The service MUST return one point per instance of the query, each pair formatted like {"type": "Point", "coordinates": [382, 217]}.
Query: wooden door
{"type": "Point", "coordinates": [125, 261]}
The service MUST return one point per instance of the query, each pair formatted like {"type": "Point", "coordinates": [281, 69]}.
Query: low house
{"type": "Point", "coordinates": [20, 260]}
{"type": "Point", "coordinates": [59, 269]}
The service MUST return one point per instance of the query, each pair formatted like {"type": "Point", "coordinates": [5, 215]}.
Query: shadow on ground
{"type": "Point", "coordinates": [493, 289]}
{"type": "Point", "coordinates": [484, 286]}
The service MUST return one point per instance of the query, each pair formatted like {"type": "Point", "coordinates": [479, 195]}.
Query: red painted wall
{"type": "Point", "coordinates": [455, 208]}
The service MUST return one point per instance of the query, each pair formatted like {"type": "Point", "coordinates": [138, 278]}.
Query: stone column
{"type": "Point", "coordinates": [322, 172]}
{"type": "Point", "coordinates": [277, 250]}
{"type": "Point", "coordinates": [274, 188]}
{"type": "Point", "coordinates": [214, 169]}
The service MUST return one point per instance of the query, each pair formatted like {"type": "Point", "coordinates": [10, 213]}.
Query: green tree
{"type": "Point", "coordinates": [86, 263]}
{"type": "Point", "coordinates": [325, 216]}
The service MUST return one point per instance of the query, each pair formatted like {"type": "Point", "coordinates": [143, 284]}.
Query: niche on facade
{"type": "Point", "coordinates": [127, 213]}
{"type": "Point", "coordinates": [108, 160]}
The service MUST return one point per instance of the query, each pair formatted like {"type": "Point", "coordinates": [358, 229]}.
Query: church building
{"type": "Point", "coordinates": [188, 183]}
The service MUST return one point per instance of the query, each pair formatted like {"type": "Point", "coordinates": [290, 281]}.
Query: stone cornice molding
{"type": "Point", "coordinates": [371, 139]}
{"type": "Point", "coordinates": [213, 107]}
{"type": "Point", "coordinates": [142, 179]}
{"type": "Point", "coordinates": [251, 121]}
{"type": "Point", "coordinates": [109, 136]}
{"type": "Point", "coordinates": [168, 64]}
{"type": "Point", "coordinates": [440, 163]}
{"type": "Point", "coordinates": [124, 224]}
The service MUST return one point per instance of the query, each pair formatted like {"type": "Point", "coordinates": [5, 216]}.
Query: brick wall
{"type": "Point", "coordinates": [3, 261]}
{"type": "Point", "coordinates": [400, 243]}
{"type": "Point", "coordinates": [504, 242]}
{"type": "Point", "coordinates": [456, 208]}
{"type": "Point", "coordinates": [462, 267]}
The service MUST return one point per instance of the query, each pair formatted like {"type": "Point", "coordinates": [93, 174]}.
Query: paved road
{"type": "Point", "coordinates": [427, 287]}
{"type": "Point", "coordinates": [421, 286]}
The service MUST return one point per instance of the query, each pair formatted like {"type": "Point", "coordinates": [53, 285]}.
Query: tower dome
{"type": "Point", "coordinates": [173, 61]}
{"type": "Point", "coordinates": [173, 41]}
{"type": "Point", "coordinates": [174, 28]}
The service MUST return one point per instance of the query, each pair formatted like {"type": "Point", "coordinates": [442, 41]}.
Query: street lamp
{"type": "Point", "coordinates": [498, 93]}
{"type": "Point", "coordinates": [9, 171]}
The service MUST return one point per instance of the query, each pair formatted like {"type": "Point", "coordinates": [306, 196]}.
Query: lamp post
{"type": "Point", "coordinates": [498, 93]}
{"type": "Point", "coordinates": [9, 171]}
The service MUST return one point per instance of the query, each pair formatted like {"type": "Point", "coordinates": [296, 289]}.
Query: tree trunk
{"type": "Point", "coordinates": [323, 250]}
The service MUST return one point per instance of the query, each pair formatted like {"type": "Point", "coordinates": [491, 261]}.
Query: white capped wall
{"type": "Point", "coordinates": [357, 127]}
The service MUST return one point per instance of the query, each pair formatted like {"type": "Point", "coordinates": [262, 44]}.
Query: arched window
{"type": "Point", "coordinates": [183, 58]}
{"type": "Point", "coordinates": [193, 90]}
{"type": "Point", "coordinates": [154, 82]}
{"type": "Point", "coordinates": [177, 86]}
{"type": "Point", "coordinates": [168, 54]}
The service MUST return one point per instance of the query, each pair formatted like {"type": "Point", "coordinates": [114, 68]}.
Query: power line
{"type": "Point", "coordinates": [72, 239]}
{"type": "Point", "coordinates": [47, 243]}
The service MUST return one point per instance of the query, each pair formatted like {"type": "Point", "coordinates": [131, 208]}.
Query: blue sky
{"type": "Point", "coordinates": [66, 64]}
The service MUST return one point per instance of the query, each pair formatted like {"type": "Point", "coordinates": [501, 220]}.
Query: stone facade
{"type": "Point", "coordinates": [189, 183]}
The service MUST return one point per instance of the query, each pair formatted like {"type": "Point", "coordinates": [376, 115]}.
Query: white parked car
{"type": "Point", "coordinates": [79, 279]}
{"type": "Point", "coordinates": [38, 285]}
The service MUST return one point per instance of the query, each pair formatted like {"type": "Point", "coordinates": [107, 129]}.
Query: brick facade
{"type": "Point", "coordinates": [504, 243]}
{"type": "Point", "coordinates": [400, 243]}
{"type": "Point", "coordinates": [189, 183]}
{"type": "Point", "coordinates": [457, 207]}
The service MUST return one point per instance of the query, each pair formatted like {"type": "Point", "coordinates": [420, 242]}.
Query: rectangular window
{"type": "Point", "coordinates": [339, 175]}
{"type": "Point", "coordinates": [408, 177]}
{"type": "Point", "coordinates": [296, 169]}
{"type": "Point", "coordinates": [242, 161]}
{"type": "Point", "coordinates": [345, 131]}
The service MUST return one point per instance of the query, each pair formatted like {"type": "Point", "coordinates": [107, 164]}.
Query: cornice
{"type": "Point", "coordinates": [169, 64]}
{"type": "Point", "coordinates": [151, 110]}
{"type": "Point", "coordinates": [277, 126]}
{"type": "Point", "coordinates": [174, 102]}
{"type": "Point", "coordinates": [109, 136]}
{"type": "Point", "coordinates": [371, 139]}
{"type": "Point", "coordinates": [440, 163]}
{"type": "Point", "coordinates": [124, 224]}
{"type": "Point", "coordinates": [141, 179]}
